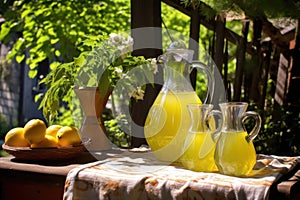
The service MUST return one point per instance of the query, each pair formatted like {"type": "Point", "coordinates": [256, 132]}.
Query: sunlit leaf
{"type": "Point", "coordinates": [20, 58]}
{"type": "Point", "coordinates": [32, 66]}
{"type": "Point", "coordinates": [25, 13]}
{"type": "Point", "coordinates": [4, 32]}
{"type": "Point", "coordinates": [43, 39]}
{"type": "Point", "coordinates": [57, 53]}
{"type": "Point", "coordinates": [32, 73]}
{"type": "Point", "coordinates": [38, 97]}
{"type": "Point", "coordinates": [79, 61]}
{"type": "Point", "coordinates": [54, 65]}
{"type": "Point", "coordinates": [40, 11]}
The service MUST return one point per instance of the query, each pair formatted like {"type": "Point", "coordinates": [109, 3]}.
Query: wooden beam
{"type": "Point", "coordinates": [208, 23]}
{"type": "Point", "coordinates": [194, 42]}
{"type": "Point", "coordinates": [146, 13]}
{"type": "Point", "coordinates": [147, 42]}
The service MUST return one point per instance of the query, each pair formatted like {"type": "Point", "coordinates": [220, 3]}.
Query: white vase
{"type": "Point", "coordinates": [93, 104]}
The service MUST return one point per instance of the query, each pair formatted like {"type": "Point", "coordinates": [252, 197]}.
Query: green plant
{"type": "Point", "coordinates": [3, 130]}
{"type": "Point", "coordinates": [3, 127]}
{"type": "Point", "coordinates": [3, 153]}
{"type": "Point", "coordinates": [53, 30]}
{"type": "Point", "coordinates": [115, 134]}
{"type": "Point", "coordinates": [279, 133]}
{"type": "Point", "coordinates": [108, 61]}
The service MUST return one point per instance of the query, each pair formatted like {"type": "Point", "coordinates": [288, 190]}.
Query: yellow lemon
{"type": "Point", "coordinates": [48, 141]}
{"type": "Point", "coordinates": [15, 138]}
{"type": "Point", "coordinates": [68, 136]}
{"type": "Point", "coordinates": [35, 131]}
{"type": "Point", "coordinates": [52, 130]}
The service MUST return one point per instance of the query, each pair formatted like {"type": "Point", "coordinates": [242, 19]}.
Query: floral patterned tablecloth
{"type": "Point", "coordinates": [137, 174]}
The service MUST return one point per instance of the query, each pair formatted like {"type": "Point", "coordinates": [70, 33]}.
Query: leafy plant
{"type": "Point", "coordinates": [280, 133]}
{"type": "Point", "coordinates": [103, 66]}
{"type": "Point", "coordinates": [116, 135]}
{"type": "Point", "coordinates": [3, 127]}
{"type": "Point", "coordinates": [54, 30]}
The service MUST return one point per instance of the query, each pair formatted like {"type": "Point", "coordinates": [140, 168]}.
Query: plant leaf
{"type": "Point", "coordinates": [20, 58]}
{"type": "Point", "coordinates": [32, 73]}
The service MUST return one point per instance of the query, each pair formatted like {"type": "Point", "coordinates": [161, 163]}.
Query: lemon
{"type": "Point", "coordinates": [15, 138]}
{"type": "Point", "coordinates": [35, 131]}
{"type": "Point", "coordinates": [47, 142]}
{"type": "Point", "coordinates": [68, 136]}
{"type": "Point", "coordinates": [52, 130]}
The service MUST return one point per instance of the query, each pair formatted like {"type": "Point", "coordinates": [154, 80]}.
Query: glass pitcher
{"type": "Point", "coordinates": [235, 153]}
{"type": "Point", "coordinates": [168, 119]}
{"type": "Point", "coordinates": [200, 142]}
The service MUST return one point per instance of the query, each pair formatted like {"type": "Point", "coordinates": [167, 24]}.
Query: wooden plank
{"type": "Point", "coordinates": [290, 187]}
{"type": "Point", "coordinates": [281, 82]}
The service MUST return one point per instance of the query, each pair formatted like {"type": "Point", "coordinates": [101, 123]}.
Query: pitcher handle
{"type": "Point", "coordinates": [216, 133]}
{"type": "Point", "coordinates": [210, 82]}
{"type": "Point", "coordinates": [255, 130]}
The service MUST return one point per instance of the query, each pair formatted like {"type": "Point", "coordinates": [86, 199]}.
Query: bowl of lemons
{"type": "Point", "coordinates": [36, 141]}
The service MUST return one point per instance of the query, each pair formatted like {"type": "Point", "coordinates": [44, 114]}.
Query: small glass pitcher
{"type": "Point", "coordinates": [235, 153]}
{"type": "Point", "coordinates": [200, 142]}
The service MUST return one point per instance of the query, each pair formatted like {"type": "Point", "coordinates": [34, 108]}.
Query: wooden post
{"type": "Point", "coordinates": [241, 50]}
{"type": "Point", "coordinates": [293, 95]}
{"type": "Point", "coordinates": [194, 41]}
{"type": "Point", "coordinates": [220, 35]}
{"type": "Point", "coordinates": [255, 91]}
{"type": "Point", "coordinates": [267, 50]}
{"type": "Point", "coordinates": [225, 74]}
{"type": "Point", "coordinates": [146, 13]}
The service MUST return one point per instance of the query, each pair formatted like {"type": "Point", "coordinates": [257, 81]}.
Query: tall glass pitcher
{"type": "Point", "coordinates": [200, 142]}
{"type": "Point", "coordinates": [168, 119]}
{"type": "Point", "coordinates": [235, 153]}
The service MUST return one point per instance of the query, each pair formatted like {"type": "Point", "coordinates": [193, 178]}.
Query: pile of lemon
{"type": "Point", "coordinates": [35, 134]}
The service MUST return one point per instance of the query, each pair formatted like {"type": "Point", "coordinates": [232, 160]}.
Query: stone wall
{"type": "Point", "coordinates": [9, 89]}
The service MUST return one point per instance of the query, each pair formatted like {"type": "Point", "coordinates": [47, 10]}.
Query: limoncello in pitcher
{"type": "Point", "coordinates": [235, 153]}
{"type": "Point", "coordinates": [200, 142]}
{"type": "Point", "coordinates": [168, 119]}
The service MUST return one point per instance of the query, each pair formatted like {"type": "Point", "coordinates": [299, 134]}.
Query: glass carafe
{"type": "Point", "coordinates": [235, 153]}
{"type": "Point", "coordinates": [200, 142]}
{"type": "Point", "coordinates": [168, 119]}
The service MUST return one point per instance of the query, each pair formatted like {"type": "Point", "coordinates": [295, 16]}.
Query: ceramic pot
{"type": "Point", "coordinates": [93, 104]}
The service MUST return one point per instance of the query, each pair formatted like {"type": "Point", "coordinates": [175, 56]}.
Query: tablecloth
{"type": "Point", "coordinates": [135, 175]}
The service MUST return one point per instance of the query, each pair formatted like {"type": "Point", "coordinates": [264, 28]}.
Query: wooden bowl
{"type": "Point", "coordinates": [36, 154]}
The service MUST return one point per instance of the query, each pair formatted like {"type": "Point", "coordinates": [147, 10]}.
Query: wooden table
{"type": "Point", "coordinates": [36, 181]}
{"type": "Point", "coordinates": [288, 187]}
{"type": "Point", "coordinates": [25, 180]}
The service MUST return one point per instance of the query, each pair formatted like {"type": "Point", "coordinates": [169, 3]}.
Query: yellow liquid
{"type": "Point", "coordinates": [234, 155]}
{"type": "Point", "coordinates": [167, 124]}
{"type": "Point", "coordinates": [199, 152]}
